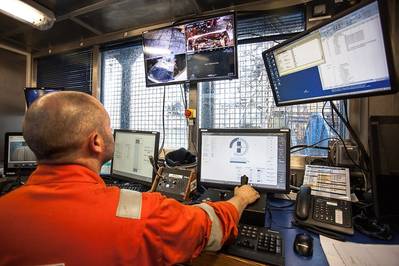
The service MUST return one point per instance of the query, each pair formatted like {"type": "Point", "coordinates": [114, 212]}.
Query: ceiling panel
{"type": "Point", "coordinates": [8, 24]}
{"type": "Point", "coordinates": [218, 4]}
{"type": "Point", "coordinates": [134, 14]}
{"type": "Point", "coordinates": [61, 7]}
{"type": "Point", "coordinates": [62, 32]}
{"type": "Point", "coordinates": [103, 16]}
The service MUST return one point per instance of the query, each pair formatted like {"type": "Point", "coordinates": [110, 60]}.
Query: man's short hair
{"type": "Point", "coordinates": [57, 124]}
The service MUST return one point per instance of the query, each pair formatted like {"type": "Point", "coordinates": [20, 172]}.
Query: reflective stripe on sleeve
{"type": "Point", "coordinates": [129, 204]}
{"type": "Point", "coordinates": [216, 236]}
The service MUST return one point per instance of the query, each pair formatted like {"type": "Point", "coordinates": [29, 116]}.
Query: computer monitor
{"type": "Point", "coordinates": [18, 157]}
{"type": "Point", "coordinates": [200, 50]}
{"type": "Point", "coordinates": [261, 154]}
{"type": "Point", "coordinates": [131, 156]}
{"type": "Point", "coordinates": [32, 94]}
{"type": "Point", "coordinates": [211, 48]}
{"type": "Point", "coordinates": [349, 56]}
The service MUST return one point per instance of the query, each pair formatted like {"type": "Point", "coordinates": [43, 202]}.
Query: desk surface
{"type": "Point", "coordinates": [282, 213]}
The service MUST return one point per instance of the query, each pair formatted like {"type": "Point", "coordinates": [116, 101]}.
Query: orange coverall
{"type": "Point", "coordinates": [65, 214]}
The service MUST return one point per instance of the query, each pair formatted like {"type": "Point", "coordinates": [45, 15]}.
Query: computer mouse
{"type": "Point", "coordinates": [303, 245]}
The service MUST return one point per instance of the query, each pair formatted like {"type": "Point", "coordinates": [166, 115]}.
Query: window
{"type": "Point", "coordinates": [71, 71]}
{"type": "Point", "coordinates": [131, 105]}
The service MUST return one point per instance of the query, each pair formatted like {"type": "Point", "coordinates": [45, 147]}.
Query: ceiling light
{"type": "Point", "coordinates": [29, 12]}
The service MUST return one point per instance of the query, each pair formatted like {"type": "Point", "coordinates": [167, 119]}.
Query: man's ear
{"type": "Point", "coordinates": [96, 143]}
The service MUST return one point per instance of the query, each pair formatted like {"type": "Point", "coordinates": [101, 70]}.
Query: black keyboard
{"type": "Point", "coordinates": [131, 186]}
{"type": "Point", "coordinates": [259, 244]}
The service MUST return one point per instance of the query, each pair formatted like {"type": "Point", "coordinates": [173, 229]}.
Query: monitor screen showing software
{"type": "Point", "coordinates": [131, 155]}
{"type": "Point", "coordinates": [344, 58]}
{"type": "Point", "coordinates": [32, 94]}
{"type": "Point", "coordinates": [225, 156]}
{"type": "Point", "coordinates": [19, 155]}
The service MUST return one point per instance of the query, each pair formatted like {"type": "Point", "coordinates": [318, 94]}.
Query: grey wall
{"type": "Point", "coordinates": [12, 101]}
{"type": "Point", "coordinates": [389, 105]}
{"type": "Point", "coordinates": [362, 109]}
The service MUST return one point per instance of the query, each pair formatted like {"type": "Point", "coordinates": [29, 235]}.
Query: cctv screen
{"type": "Point", "coordinates": [226, 156]}
{"type": "Point", "coordinates": [343, 58]}
{"type": "Point", "coordinates": [199, 50]}
{"type": "Point", "coordinates": [131, 155]}
{"type": "Point", "coordinates": [19, 154]}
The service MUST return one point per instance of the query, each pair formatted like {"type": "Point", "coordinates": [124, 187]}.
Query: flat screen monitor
{"type": "Point", "coordinates": [196, 51]}
{"type": "Point", "coordinates": [131, 156]}
{"type": "Point", "coordinates": [32, 94]}
{"type": "Point", "coordinates": [348, 56]}
{"type": "Point", "coordinates": [261, 154]}
{"type": "Point", "coordinates": [18, 157]}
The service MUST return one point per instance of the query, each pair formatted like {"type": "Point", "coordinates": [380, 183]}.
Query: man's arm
{"type": "Point", "coordinates": [243, 196]}
{"type": "Point", "coordinates": [185, 231]}
{"type": "Point", "coordinates": [225, 216]}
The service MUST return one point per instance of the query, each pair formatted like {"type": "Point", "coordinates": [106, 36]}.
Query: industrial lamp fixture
{"type": "Point", "coordinates": [29, 12]}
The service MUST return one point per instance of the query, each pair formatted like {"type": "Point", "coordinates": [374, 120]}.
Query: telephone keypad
{"type": "Point", "coordinates": [337, 212]}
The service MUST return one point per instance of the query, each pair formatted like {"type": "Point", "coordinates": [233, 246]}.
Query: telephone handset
{"type": "Point", "coordinates": [303, 201]}
{"type": "Point", "coordinates": [322, 212]}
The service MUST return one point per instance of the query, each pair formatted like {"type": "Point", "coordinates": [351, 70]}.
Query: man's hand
{"type": "Point", "coordinates": [243, 196]}
{"type": "Point", "coordinates": [247, 193]}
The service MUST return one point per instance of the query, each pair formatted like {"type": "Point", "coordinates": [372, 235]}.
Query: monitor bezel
{"type": "Point", "coordinates": [55, 89]}
{"type": "Point", "coordinates": [132, 179]}
{"type": "Point", "coordinates": [235, 76]}
{"type": "Point", "coordinates": [388, 53]}
{"type": "Point", "coordinates": [285, 131]}
{"type": "Point", "coordinates": [8, 170]}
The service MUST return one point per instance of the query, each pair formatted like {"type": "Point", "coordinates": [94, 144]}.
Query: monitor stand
{"type": "Point", "coordinates": [254, 214]}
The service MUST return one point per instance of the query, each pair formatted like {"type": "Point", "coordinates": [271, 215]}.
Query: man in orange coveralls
{"type": "Point", "coordinates": [65, 215]}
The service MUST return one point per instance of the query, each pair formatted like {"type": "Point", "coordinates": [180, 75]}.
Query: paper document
{"type": "Point", "coordinates": [348, 253]}
{"type": "Point", "coordinates": [327, 181]}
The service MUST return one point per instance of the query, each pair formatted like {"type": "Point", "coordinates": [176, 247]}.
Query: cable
{"type": "Point", "coordinates": [346, 110]}
{"type": "Point", "coordinates": [303, 147]}
{"type": "Point", "coordinates": [339, 136]}
{"type": "Point", "coordinates": [184, 99]}
{"type": "Point", "coordinates": [183, 96]}
{"type": "Point", "coordinates": [363, 154]}
{"type": "Point", "coordinates": [332, 117]}
{"type": "Point", "coordinates": [163, 119]}
{"type": "Point", "coordinates": [354, 136]}
{"type": "Point", "coordinates": [311, 147]}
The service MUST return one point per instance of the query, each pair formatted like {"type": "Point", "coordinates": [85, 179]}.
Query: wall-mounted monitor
{"type": "Point", "coordinates": [346, 57]}
{"type": "Point", "coordinates": [196, 51]}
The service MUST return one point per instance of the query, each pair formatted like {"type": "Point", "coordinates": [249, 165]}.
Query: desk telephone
{"type": "Point", "coordinates": [323, 213]}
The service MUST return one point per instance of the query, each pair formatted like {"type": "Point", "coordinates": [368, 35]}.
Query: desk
{"type": "Point", "coordinates": [281, 221]}
{"type": "Point", "coordinates": [215, 259]}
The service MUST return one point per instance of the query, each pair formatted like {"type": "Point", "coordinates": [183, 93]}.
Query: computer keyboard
{"type": "Point", "coordinates": [259, 244]}
{"type": "Point", "coordinates": [131, 186]}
